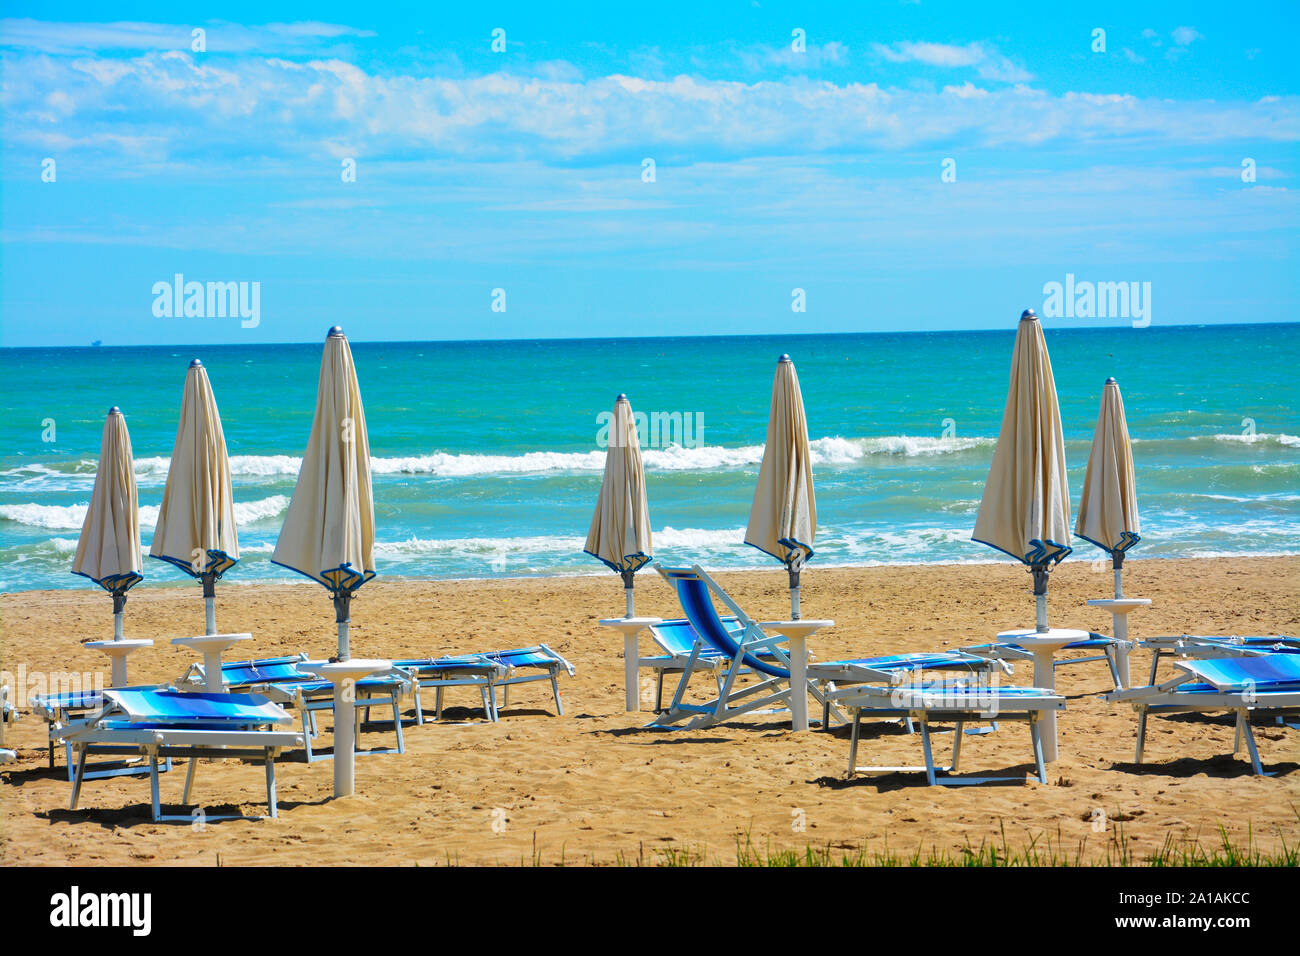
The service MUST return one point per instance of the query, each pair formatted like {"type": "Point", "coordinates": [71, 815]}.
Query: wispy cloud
{"type": "Point", "coordinates": [127, 36]}
{"type": "Point", "coordinates": [989, 64]}
{"type": "Point", "coordinates": [174, 106]}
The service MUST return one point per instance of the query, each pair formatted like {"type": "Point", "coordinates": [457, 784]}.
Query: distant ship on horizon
{"type": "Point", "coordinates": [97, 343]}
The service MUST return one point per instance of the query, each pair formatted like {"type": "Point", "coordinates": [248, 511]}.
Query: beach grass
{"type": "Point", "coordinates": [1040, 850]}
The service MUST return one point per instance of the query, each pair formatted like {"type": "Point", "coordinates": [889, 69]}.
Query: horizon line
{"type": "Point", "coordinates": [601, 338]}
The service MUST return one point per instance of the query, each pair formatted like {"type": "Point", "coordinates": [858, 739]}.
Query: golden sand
{"type": "Point", "coordinates": [591, 787]}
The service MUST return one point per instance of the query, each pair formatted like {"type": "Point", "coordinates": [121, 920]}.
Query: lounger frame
{"type": "Point", "coordinates": [113, 730]}
{"type": "Point", "coordinates": [924, 707]}
{"type": "Point", "coordinates": [59, 711]}
{"type": "Point", "coordinates": [1175, 697]}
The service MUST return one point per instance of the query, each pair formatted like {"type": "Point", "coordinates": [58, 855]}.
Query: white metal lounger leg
{"type": "Point", "coordinates": [1155, 665]}
{"type": "Point", "coordinates": [1243, 726]}
{"type": "Point", "coordinates": [270, 783]}
{"type": "Point", "coordinates": [308, 729]}
{"type": "Point", "coordinates": [1036, 737]}
{"type": "Point", "coordinates": [929, 753]}
{"type": "Point", "coordinates": [397, 721]}
{"type": "Point", "coordinates": [153, 785]}
{"type": "Point", "coordinates": [79, 776]}
{"type": "Point", "coordinates": [495, 711]}
{"type": "Point", "coordinates": [555, 687]}
{"type": "Point", "coordinates": [189, 780]}
{"type": "Point", "coordinates": [853, 741]}
{"type": "Point", "coordinates": [1113, 661]}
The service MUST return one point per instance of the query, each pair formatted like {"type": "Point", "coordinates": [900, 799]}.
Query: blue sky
{"type": "Point", "coordinates": [775, 168]}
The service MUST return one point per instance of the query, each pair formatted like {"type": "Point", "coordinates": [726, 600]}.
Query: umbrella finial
{"type": "Point", "coordinates": [1028, 316]}
{"type": "Point", "coordinates": [784, 357]}
{"type": "Point", "coordinates": [1111, 381]}
{"type": "Point", "coordinates": [622, 397]}
{"type": "Point", "coordinates": [196, 364]}
{"type": "Point", "coordinates": [335, 332]}
{"type": "Point", "coordinates": [115, 410]}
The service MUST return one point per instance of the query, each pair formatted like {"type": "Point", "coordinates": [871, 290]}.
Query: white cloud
{"type": "Point", "coordinates": [931, 54]}
{"type": "Point", "coordinates": [1185, 36]}
{"type": "Point", "coordinates": [987, 61]}
{"type": "Point", "coordinates": [65, 38]}
{"type": "Point", "coordinates": [177, 107]}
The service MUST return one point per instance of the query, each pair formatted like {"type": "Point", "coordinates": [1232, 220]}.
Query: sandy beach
{"type": "Point", "coordinates": [590, 787]}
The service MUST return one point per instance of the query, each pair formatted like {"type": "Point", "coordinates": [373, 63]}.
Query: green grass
{"type": "Point", "coordinates": [1110, 849]}
{"type": "Point", "coordinates": [1114, 849]}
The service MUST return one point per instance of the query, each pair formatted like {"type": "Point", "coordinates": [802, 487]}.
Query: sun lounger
{"type": "Point", "coordinates": [747, 649]}
{"type": "Point", "coordinates": [58, 710]}
{"type": "Point", "coordinates": [466, 670]}
{"type": "Point", "coordinates": [284, 681]}
{"type": "Point", "coordinates": [488, 671]}
{"type": "Point", "coordinates": [957, 701]}
{"type": "Point", "coordinates": [173, 724]}
{"type": "Point", "coordinates": [1108, 646]}
{"type": "Point", "coordinates": [1205, 647]}
{"type": "Point", "coordinates": [1262, 685]}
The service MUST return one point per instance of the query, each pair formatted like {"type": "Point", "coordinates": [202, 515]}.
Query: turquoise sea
{"type": "Point", "coordinates": [487, 462]}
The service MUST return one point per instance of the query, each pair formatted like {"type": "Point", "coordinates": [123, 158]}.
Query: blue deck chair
{"type": "Point", "coordinates": [283, 681]}
{"type": "Point", "coordinates": [1263, 685]}
{"type": "Point", "coordinates": [1206, 646]}
{"type": "Point", "coordinates": [1108, 646]}
{"type": "Point", "coordinates": [748, 649]}
{"type": "Point", "coordinates": [58, 710]}
{"type": "Point", "coordinates": [677, 639]}
{"type": "Point", "coordinates": [172, 724]}
{"type": "Point", "coordinates": [956, 701]}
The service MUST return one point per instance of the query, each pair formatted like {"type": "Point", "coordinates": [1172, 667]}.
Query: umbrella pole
{"type": "Point", "coordinates": [343, 616]}
{"type": "Point", "coordinates": [1117, 562]}
{"type": "Point", "coordinates": [629, 599]}
{"type": "Point", "coordinates": [119, 611]}
{"type": "Point", "coordinates": [1040, 599]}
{"type": "Point", "coordinates": [794, 593]}
{"type": "Point", "coordinates": [209, 602]}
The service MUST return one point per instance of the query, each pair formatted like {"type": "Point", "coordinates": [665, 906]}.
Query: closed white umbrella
{"type": "Point", "coordinates": [1108, 513]}
{"type": "Point", "coordinates": [1108, 510]}
{"type": "Point", "coordinates": [329, 532]}
{"type": "Point", "coordinates": [108, 551]}
{"type": "Point", "coordinates": [1025, 510]}
{"type": "Point", "coordinates": [196, 523]}
{"type": "Point", "coordinates": [620, 529]}
{"type": "Point", "coordinates": [783, 517]}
